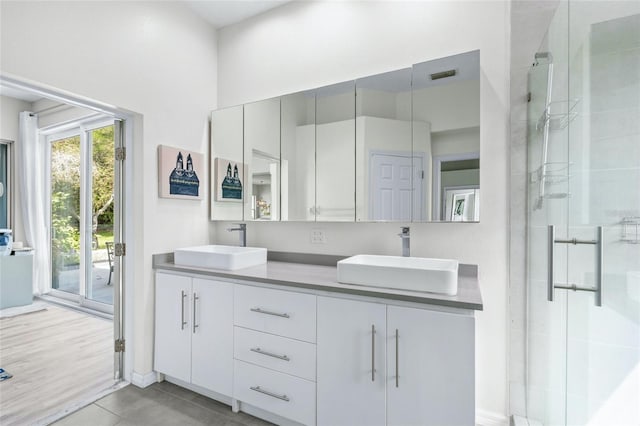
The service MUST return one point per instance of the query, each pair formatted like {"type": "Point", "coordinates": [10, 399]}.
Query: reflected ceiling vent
{"type": "Point", "coordinates": [443, 74]}
{"type": "Point", "coordinates": [543, 56]}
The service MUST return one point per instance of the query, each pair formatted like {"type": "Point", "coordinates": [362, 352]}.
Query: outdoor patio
{"type": "Point", "coordinates": [101, 290]}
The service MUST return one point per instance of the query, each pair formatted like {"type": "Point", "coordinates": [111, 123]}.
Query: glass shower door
{"type": "Point", "coordinates": [546, 322]}
{"type": "Point", "coordinates": [583, 356]}
{"type": "Point", "coordinates": [603, 342]}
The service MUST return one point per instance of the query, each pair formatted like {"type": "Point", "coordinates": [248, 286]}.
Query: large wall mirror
{"type": "Point", "coordinates": [227, 186]}
{"type": "Point", "coordinates": [446, 105]}
{"type": "Point", "coordinates": [335, 153]}
{"type": "Point", "coordinates": [298, 151]}
{"type": "Point", "coordinates": [262, 160]}
{"type": "Point", "coordinates": [401, 146]}
{"type": "Point", "coordinates": [385, 171]}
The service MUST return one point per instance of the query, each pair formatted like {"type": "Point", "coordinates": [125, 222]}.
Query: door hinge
{"type": "Point", "coordinates": [121, 154]}
{"type": "Point", "coordinates": [422, 174]}
{"type": "Point", "coordinates": [119, 249]}
{"type": "Point", "coordinates": [529, 97]}
{"type": "Point", "coordinates": [119, 345]}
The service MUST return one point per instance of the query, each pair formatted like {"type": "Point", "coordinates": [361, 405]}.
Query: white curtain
{"type": "Point", "coordinates": [30, 167]}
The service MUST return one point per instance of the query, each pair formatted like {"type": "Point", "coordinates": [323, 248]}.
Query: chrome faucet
{"type": "Point", "coordinates": [406, 238]}
{"type": "Point", "coordinates": [242, 228]}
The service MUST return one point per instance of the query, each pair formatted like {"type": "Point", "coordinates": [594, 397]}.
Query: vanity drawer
{"type": "Point", "coordinates": [278, 312]}
{"type": "Point", "coordinates": [277, 353]}
{"type": "Point", "coordinates": [278, 393]}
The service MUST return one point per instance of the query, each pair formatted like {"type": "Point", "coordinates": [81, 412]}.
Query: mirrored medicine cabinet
{"type": "Point", "coordinates": [401, 146]}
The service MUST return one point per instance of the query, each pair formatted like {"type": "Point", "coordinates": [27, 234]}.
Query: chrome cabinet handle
{"type": "Point", "coordinates": [195, 299]}
{"type": "Point", "coordinates": [397, 376]}
{"type": "Point", "coordinates": [271, 394]}
{"type": "Point", "coordinates": [275, 314]}
{"type": "Point", "coordinates": [551, 285]}
{"type": "Point", "coordinates": [271, 354]}
{"type": "Point", "coordinates": [183, 322]}
{"type": "Point", "coordinates": [598, 271]}
{"type": "Point", "coordinates": [551, 241]}
{"type": "Point", "coordinates": [373, 352]}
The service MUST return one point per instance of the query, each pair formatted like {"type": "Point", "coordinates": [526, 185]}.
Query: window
{"type": "Point", "coordinates": [6, 181]}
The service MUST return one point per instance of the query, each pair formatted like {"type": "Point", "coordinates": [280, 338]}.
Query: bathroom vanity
{"type": "Point", "coordinates": [286, 342]}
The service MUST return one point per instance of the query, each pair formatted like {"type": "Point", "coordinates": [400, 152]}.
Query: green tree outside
{"type": "Point", "coordinates": [65, 192]}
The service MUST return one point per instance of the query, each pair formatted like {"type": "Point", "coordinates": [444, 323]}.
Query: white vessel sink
{"type": "Point", "coordinates": [220, 257]}
{"type": "Point", "coordinates": [401, 273]}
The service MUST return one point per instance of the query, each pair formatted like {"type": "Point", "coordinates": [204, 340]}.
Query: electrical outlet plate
{"type": "Point", "coordinates": [317, 236]}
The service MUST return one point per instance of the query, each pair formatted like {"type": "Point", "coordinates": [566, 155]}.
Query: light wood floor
{"type": "Point", "coordinates": [58, 358]}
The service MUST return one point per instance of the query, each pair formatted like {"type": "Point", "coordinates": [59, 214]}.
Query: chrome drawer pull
{"type": "Point", "coordinates": [397, 353]}
{"type": "Point", "coordinates": [373, 353]}
{"type": "Point", "coordinates": [271, 354]}
{"type": "Point", "coordinates": [274, 395]}
{"type": "Point", "coordinates": [195, 300]}
{"type": "Point", "coordinates": [182, 321]}
{"type": "Point", "coordinates": [275, 314]}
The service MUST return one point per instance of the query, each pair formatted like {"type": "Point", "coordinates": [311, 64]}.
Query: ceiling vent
{"type": "Point", "coordinates": [443, 74]}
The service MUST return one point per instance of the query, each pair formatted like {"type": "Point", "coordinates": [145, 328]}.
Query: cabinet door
{"type": "Point", "coordinates": [432, 382]}
{"type": "Point", "coordinates": [212, 335]}
{"type": "Point", "coordinates": [173, 335]}
{"type": "Point", "coordinates": [349, 392]}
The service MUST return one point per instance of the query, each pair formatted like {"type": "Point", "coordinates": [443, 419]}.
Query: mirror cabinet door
{"type": "Point", "coordinates": [226, 164]}
{"type": "Point", "coordinates": [262, 160]}
{"type": "Point", "coordinates": [446, 133]}
{"type": "Point", "coordinates": [335, 153]}
{"type": "Point", "coordinates": [298, 151]}
{"type": "Point", "coordinates": [385, 170]}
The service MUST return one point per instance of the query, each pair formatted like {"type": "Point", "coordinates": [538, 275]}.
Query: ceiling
{"type": "Point", "coordinates": [221, 13]}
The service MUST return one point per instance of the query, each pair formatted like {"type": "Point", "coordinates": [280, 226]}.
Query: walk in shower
{"type": "Point", "coordinates": [583, 229]}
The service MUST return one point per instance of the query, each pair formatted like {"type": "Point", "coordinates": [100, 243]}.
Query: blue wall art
{"type": "Point", "coordinates": [228, 180]}
{"type": "Point", "coordinates": [179, 173]}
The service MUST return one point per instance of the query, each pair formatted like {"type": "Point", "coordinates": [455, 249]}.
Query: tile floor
{"type": "Point", "coordinates": [160, 404]}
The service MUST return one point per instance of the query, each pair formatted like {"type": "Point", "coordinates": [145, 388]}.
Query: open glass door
{"type": "Point", "coordinates": [65, 159]}
{"type": "Point", "coordinates": [99, 215]}
{"type": "Point", "coordinates": [82, 203]}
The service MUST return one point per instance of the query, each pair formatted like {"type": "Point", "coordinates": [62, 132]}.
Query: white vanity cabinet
{"type": "Point", "coordinates": [351, 362]}
{"type": "Point", "coordinates": [382, 364]}
{"type": "Point", "coordinates": [194, 331]}
{"type": "Point", "coordinates": [430, 368]}
{"type": "Point", "coordinates": [316, 357]}
{"type": "Point", "coordinates": [275, 352]}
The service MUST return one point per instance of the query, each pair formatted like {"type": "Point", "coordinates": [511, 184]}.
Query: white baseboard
{"type": "Point", "coordinates": [144, 380]}
{"type": "Point", "coordinates": [521, 421]}
{"type": "Point", "coordinates": [487, 418]}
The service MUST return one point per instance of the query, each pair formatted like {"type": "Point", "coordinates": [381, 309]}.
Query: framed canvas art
{"type": "Point", "coordinates": [179, 173]}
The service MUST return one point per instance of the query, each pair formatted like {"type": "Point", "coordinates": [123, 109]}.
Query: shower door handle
{"type": "Point", "coordinates": [551, 285]}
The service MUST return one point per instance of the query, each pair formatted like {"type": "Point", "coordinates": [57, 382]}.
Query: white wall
{"type": "Point", "coordinates": [10, 108]}
{"type": "Point", "coordinates": [455, 141]}
{"type": "Point", "coordinates": [309, 44]}
{"type": "Point", "coordinates": [154, 58]}
{"type": "Point", "coordinates": [448, 106]}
